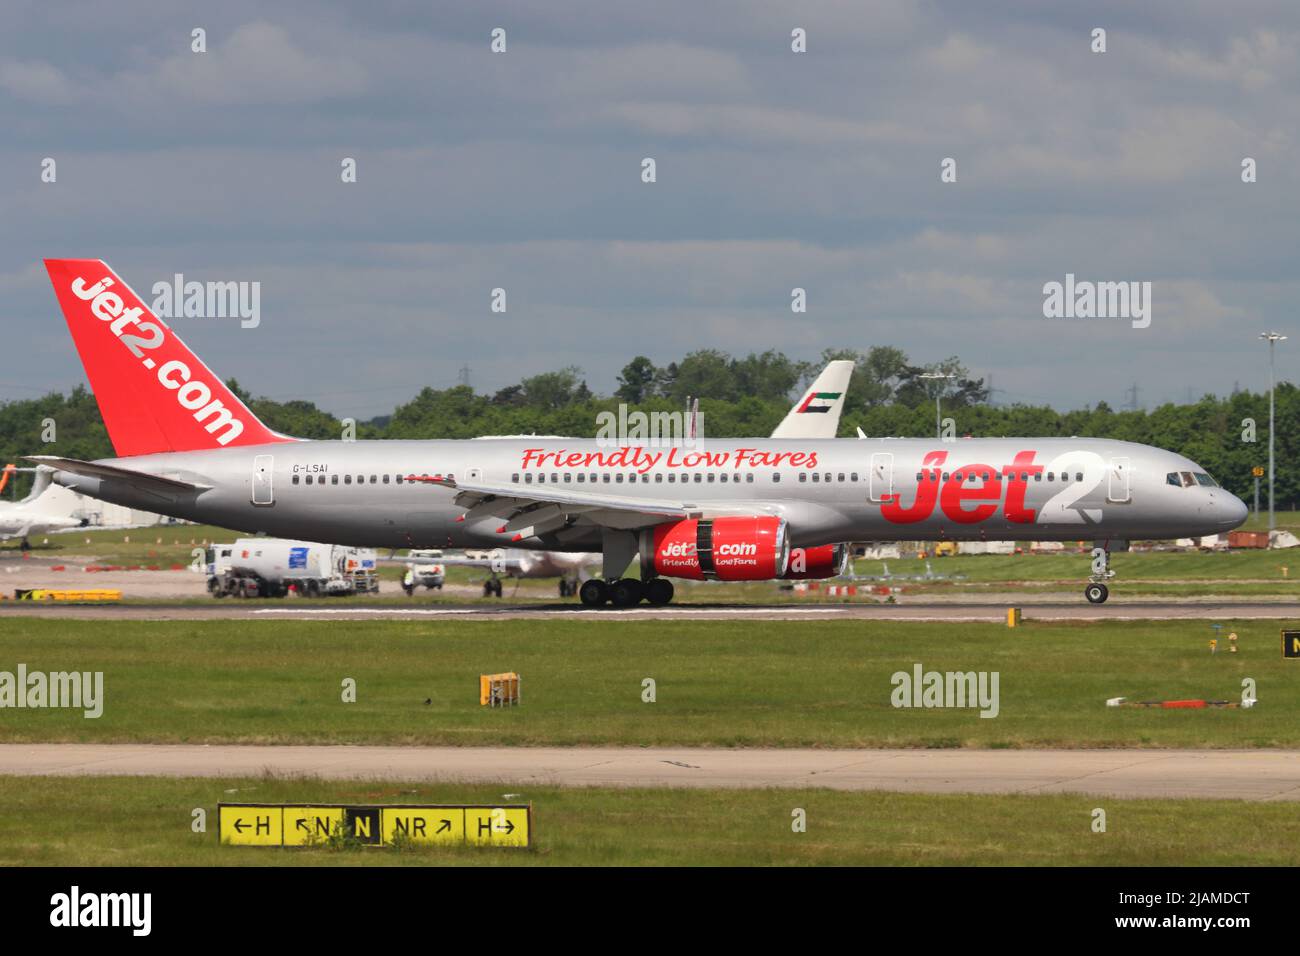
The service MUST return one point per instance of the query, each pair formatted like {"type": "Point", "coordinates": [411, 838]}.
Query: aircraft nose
{"type": "Point", "coordinates": [1233, 509]}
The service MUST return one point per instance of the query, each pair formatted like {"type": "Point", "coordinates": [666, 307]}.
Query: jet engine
{"type": "Point", "coordinates": [824, 561]}
{"type": "Point", "coordinates": [723, 549]}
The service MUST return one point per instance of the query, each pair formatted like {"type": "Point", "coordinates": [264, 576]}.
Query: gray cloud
{"type": "Point", "coordinates": [775, 170]}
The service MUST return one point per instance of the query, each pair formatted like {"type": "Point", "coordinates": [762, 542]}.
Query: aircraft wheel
{"type": "Point", "coordinates": [1096, 593]}
{"type": "Point", "coordinates": [497, 587]}
{"type": "Point", "coordinates": [593, 593]}
{"type": "Point", "coordinates": [658, 591]}
{"type": "Point", "coordinates": [626, 592]}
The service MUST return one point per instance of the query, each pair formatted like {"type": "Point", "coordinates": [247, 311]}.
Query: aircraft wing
{"type": "Point", "coordinates": [155, 484]}
{"type": "Point", "coordinates": [817, 413]}
{"type": "Point", "coordinates": [541, 508]}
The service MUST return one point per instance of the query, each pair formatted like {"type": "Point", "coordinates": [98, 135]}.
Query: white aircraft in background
{"type": "Point", "coordinates": [517, 563]}
{"type": "Point", "coordinates": [815, 415]}
{"type": "Point", "coordinates": [18, 519]}
{"type": "Point", "coordinates": [887, 576]}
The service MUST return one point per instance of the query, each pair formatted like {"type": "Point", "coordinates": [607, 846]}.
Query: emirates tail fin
{"type": "Point", "coordinates": [817, 414]}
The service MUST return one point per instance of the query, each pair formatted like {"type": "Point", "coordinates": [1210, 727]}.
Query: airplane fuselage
{"type": "Point", "coordinates": [360, 492]}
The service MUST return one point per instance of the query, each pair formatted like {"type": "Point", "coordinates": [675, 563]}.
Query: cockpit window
{"type": "Point", "coordinates": [1184, 479]}
{"type": "Point", "coordinates": [1205, 481]}
{"type": "Point", "coordinates": [1173, 479]}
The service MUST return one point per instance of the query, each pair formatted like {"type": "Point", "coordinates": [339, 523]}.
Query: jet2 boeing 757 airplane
{"type": "Point", "coordinates": [728, 509]}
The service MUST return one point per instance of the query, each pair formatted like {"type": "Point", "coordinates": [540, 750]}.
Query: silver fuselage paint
{"type": "Point", "coordinates": [721, 479]}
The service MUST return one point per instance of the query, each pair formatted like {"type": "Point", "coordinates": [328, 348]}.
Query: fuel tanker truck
{"type": "Point", "coordinates": [275, 567]}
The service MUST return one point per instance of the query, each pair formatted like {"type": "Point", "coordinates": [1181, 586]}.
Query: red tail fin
{"type": "Point", "coordinates": [153, 392]}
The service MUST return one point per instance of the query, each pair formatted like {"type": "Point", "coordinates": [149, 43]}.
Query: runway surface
{"type": "Point", "coordinates": [970, 611]}
{"type": "Point", "coordinates": [1241, 774]}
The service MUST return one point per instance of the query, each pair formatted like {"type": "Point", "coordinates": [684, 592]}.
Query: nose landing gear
{"type": "Point", "coordinates": [1096, 592]}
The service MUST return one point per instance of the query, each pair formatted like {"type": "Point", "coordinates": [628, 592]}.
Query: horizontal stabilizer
{"type": "Point", "coordinates": [137, 479]}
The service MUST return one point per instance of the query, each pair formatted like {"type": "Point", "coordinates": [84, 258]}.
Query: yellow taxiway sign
{"type": "Point", "coordinates": [293, 824]}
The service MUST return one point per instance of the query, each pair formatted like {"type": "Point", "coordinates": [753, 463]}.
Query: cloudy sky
{"type": "Point", "coordinates": [775, 170]}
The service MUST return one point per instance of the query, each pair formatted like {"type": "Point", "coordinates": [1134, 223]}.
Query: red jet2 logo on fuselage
{"type": "Point", "coordinates": [955, 492]}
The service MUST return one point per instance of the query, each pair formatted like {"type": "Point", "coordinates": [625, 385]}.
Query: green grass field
{"type": "Point", "coordinates": [719, 682]}
{"type": "Point", "coordinates": [145, 821]}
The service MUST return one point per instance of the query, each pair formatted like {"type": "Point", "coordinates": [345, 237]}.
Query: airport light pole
{"type": "Point", "coordinates": [1272, 338]}
{"type": "Point", "coordinates": [938, 427]}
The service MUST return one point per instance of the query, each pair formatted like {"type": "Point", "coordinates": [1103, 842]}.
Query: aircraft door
{"type": "Point", "coordinates": [1118, 489]}
{"type": "Point", "coordinates": [880, 482]}
{"type": "Point", "coordinates": [262, 491]}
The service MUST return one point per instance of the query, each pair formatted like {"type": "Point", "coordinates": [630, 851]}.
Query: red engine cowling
{"type": "Point", "coordinates": [725, 549]}
{"type": "Point", "coordinates": [824, 561]}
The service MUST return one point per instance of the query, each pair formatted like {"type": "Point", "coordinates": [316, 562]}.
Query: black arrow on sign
{"type": "Point", "coordinates": [239, 826]}
{"type": "Point", "coordinates": [509, 827]}
{"type": "Point", "coordinates": [302, 825]}
{"type": "Point", "coordinates": [446, 825]}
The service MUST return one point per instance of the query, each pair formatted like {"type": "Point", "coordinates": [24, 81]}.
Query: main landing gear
{"type": "Point", "coordinates": [618, 548]}
{"type": "Point", "coordinates": [1096, 592]}
{"type": "Point", "coordinates": [625, 592]}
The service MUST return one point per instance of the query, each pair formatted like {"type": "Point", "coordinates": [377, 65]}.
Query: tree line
{"type": "Point", "coordinates": [740, 397]}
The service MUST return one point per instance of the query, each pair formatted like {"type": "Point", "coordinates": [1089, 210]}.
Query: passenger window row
{"type": "Point", "coordinates": [994, 476]}
{"type": "Point", "coordinates": [620, 478]}
{"type": "Point", "coordinates": [349, 479]}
